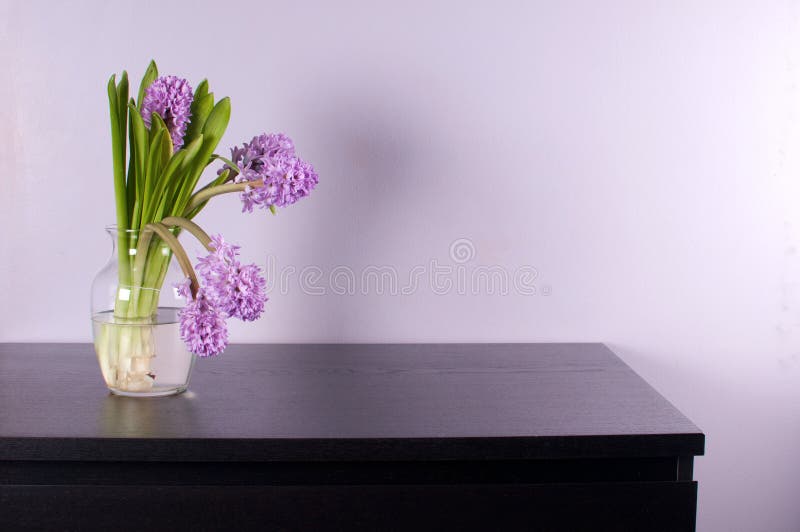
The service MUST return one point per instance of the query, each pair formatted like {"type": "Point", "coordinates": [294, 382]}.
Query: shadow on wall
{"type": "Point", "coordinates": [370, 148]}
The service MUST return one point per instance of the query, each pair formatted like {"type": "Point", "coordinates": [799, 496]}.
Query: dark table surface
{"type": "Point", "coordinates": [344, 402]}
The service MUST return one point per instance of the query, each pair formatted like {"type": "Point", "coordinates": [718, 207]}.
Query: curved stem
{"type": "Point", "coordinates": [192, 227]}
{"type": "Point", "coordinates": [180, 254]}
{"type": "Point", "coordinates": [207, 194]}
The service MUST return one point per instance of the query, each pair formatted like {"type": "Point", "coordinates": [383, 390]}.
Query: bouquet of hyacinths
{"type": "Point", "coordinates": [162, 142]}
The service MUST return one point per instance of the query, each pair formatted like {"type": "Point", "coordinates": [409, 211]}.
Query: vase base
{"type": "Point", "coordinates": [150, 393]}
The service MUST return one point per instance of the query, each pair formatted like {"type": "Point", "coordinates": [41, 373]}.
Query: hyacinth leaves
{"type": "Point", "coordinates": [202, 104]}
{"type": "Point", "coordinates": [119, 119]}
{"type": "Point", "coordinates": [150, 75]}
{"type": "Point", "coordinates": [212, 132]}
{"type": "Point", "coordinates": [159, 180]}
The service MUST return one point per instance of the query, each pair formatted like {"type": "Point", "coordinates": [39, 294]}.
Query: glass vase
{"type": "Point", "coordinates": [135, 325]}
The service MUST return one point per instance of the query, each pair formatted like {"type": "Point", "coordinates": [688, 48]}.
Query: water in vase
{"type": "Point", "coordinates": [142, 357]}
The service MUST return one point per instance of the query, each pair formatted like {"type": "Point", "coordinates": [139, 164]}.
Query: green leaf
{"type": "Point", "coordinates": [167, 149]}
{"type": "Point", "coordinates": [222, 178]}
{"type": "Point", "coordinates": [191, 152]}
{"type": "Point", "coordinates": [201, 108]}
{"type": "Point", "coordinates": [213, 129]}
{"type": "Point", "coordinates": [139, 143]}
{"type": "Point", "coordinates": [156, 125]}
{"type": "Point", "coordinates": [201, 90]}
{"type": "Point", "coordinates": [117, 156]}
{"type": "Point", "coordinates": [122, 97]}
{"type": "Point", "coordinates": [217, 123]}
{"type": "Point", "coordinates": [120, 192]}
{"type": "Point", "coordinates": [160, 194]}
{"type": "Point", "coordinates": [182, 175]}
{"type": "Point", "coordinates": [122, 111]}
{"type": "Point", "coordinates": [228, 162]}
{"type": "Point", "coordinates": [159, 212]}
{"type": "Point", "coordinates": [139, 156]}
{"type": "Point", "coordinates": [132, 181]}
{"type": "Point", "coordinates": [152, 173]}
{"type": "Point", "coordinates": [149, 76]}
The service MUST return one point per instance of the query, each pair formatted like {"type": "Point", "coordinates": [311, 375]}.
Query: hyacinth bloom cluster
{"type": "Point", "coordinates": [202, 326]}
{"type": "Point", "coordinates": [237, 289]}
{"type": "Point", "coordinates": [280, 178]}
{"type": "Point", "coordinates": [229, 289]}
{"type": "Point", "coordinates": [171, 98]}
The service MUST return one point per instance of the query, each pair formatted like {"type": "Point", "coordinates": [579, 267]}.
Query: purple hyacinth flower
{"type": "Point", "coordinates": [288, 180]}
{"type": "Point", "coordinates": [236, 290]}
{"type": "Point", "coordinates": [184, 289]}
{"type": "Point", "coordinates": [272, 160]}
{"type": "Point", "coordinates": [247, 295]}
{"type": "Point", "coordinates": [203, 328]}
{"type": "Point", "coordinates": [171, 97]}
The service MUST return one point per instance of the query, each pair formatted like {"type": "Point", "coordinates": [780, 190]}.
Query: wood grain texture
{"type": "Point", "coordinates": [344, 402]}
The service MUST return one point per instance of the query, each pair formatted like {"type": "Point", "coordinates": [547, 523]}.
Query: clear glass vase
{"type": "Point", "coordinates": [135, 326]}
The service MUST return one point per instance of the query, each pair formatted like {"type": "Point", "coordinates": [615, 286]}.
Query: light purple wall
{"type": "Point", "coordinates": [642, 156]}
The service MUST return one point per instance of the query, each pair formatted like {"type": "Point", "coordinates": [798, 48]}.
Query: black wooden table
{"type": "Point", "coordinates": [347, 437]}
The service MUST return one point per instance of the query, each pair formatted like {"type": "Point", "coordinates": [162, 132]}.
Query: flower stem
{"type": "Point", "coordinates": [205, 195]}
{"type": "Point", "coordinates": [180, 254]}
{"type": "Point", "coordinates": [190, 226]}
{"type": "Point", "coordinates": [137, 274]}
